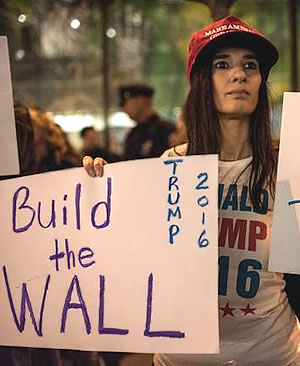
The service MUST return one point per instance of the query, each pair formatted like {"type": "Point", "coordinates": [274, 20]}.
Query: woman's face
{"type": "Point", "coordinates": [236, 81]}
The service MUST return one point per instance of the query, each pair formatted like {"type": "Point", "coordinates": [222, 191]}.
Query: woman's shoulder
{"type": "Point", "coordinates": [179, 150]}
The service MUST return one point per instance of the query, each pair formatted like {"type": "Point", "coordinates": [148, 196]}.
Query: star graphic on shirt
{"type": "Point", "coordinates": [227, 310]}
{"type": "Point", "coordinates": [248, 310]}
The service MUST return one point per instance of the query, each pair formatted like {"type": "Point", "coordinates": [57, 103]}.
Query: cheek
{"type": "Point", "coordinates": [214, 88]}
{"type": "Point", "coordinates": [256, 88]}
{"type": "Point", "coordinates": [125, 108]}
{"type": "Point", "coordinates": [129, 107]}
{"type": "Point", "coordinates": [257, 84]}
{"type": "Point", "coordinates": [218, 87]}
{"type": "Point", "coordinates": [217, 95]}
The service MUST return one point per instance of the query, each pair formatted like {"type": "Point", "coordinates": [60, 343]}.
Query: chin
{"type": "Point", "coordinates": [236, 114]}
{"type": "Point", "coordinates": [239, 111]}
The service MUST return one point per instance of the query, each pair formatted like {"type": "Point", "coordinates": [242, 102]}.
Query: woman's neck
{"type": "Point", "coordinates": [235, 144]}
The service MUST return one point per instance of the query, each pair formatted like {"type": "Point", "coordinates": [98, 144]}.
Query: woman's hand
{"type": "Point", "coordinates": [94, 167]}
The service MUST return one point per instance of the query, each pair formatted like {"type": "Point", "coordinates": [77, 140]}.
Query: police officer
{"type": "Point", "coordinates": [150, 137]}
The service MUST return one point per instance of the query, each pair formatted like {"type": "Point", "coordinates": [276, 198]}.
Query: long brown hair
{"type": "Point", "coordinates": [25, 139]}
{"type": "Point", "coordinates": [203, 131]}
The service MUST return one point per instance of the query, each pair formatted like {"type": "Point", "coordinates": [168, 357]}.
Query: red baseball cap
{"type": "Point", "coordinates": [226, 32]}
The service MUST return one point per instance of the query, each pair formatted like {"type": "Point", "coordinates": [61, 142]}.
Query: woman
{"type": "Point", "coordinates": [227, 112]}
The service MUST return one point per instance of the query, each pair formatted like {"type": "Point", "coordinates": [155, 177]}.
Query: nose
{"type": "Point", "coordinates": [238, 75]}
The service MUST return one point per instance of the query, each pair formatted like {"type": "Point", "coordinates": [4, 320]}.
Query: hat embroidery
{"type": "Point", "coordinates": [225, 29]}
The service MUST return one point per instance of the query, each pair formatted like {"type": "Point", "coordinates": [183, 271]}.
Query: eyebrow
{"type": "Point", "coordinates": [225, 55]}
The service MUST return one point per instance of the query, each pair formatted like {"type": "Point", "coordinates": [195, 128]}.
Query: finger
{"type": "Point", "coordinates": [88, 164]}
{"type": "Point", "coordinates": [98, 166]}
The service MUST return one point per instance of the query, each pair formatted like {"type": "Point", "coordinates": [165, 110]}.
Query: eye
{"type": "Point", "coordinates": [251, 65]}
{"type": "Point", "coordinates": [221, 64]}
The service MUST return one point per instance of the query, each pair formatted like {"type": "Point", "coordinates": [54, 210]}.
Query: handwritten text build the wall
{"type": "Point", "coordinates": [25, 214]}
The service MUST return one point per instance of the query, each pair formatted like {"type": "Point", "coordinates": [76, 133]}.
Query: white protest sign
{"type": "Point", "coordinates": [126, 262]}
{"type": "Point", "coordinates": [285, 249]}
{"type": "Point", "coordinates": [8, 141]}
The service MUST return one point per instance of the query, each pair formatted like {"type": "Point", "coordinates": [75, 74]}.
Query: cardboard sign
{"type": "Point", "coordinates": [285, 249]}
{"type": "Point", "coordinates": [8, 141]}
{"type": "Point", "coordinates": [126, 262]}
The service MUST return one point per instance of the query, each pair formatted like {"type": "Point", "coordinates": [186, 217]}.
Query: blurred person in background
{"type": "Point", "coordinates": [150, 137]}
{"type": "Point", "coordinates": [24, 133]}
{"type": "Point", "coordinates": [53, 150]}
{"type": "Point", "coordinates": [91, 147]}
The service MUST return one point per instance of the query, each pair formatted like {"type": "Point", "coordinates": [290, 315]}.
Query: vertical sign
{"type": "Point", "coordinates": [8, 141]}
{"type": "Point", "coordinates": [285, 249]}
{"type": "Point", "coordinates": [126, 262]}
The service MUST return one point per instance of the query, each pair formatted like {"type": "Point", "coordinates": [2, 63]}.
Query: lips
{"type": "Point", "coordinates": [238, 92]}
